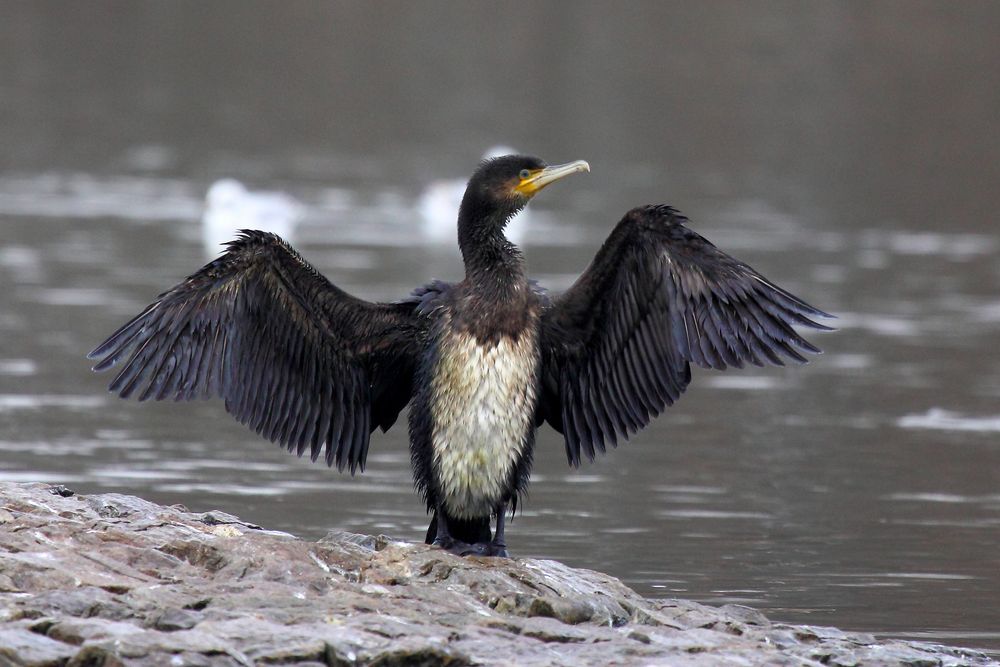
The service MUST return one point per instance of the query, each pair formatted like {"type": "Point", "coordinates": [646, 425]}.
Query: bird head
{"type": "Point", "coordinates": [502, 186]}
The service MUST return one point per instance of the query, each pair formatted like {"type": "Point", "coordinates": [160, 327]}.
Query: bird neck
{"type": "Point", "coordinates": [493, 265]}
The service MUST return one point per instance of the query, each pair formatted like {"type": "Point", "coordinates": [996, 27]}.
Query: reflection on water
{"type": "Point", "coordinates": [860, 490]}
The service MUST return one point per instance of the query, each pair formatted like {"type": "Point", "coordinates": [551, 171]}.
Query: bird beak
{"type": "Point", "coordinates": [539, 178]}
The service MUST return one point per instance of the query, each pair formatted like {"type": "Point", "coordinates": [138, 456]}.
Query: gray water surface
{"type": "Point", "coordinates": [847, 151]}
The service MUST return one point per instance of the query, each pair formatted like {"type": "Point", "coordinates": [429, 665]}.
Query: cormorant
{"type": "Point", "coordinates": [484, 361]}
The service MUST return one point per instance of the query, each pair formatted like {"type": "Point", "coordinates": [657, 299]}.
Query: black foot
{"type": "Point", "coordinates": [459, 548]}
{"type": "Point", "coordinates": [497, 550]}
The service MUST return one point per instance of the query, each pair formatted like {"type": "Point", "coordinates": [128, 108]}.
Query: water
{"type": "Point", "coordinates": [847, 151]}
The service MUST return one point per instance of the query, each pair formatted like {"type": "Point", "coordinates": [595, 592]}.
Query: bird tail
{"type": "Point", "coordinates": [470, 531]}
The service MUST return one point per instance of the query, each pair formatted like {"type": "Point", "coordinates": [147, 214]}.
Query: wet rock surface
{"type": "Point", "coordinates": [115, 580]}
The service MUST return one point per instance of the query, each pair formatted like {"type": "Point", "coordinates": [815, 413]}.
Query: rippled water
{"type": "Point", "coordinates": [862, 490]}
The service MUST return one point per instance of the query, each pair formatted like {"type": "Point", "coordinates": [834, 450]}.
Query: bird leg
{"type": "Point", "coordinates": [444, 539]}
{"type": "Point", "coordinates": [498, 547]}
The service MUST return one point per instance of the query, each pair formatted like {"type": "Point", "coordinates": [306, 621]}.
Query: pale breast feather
{"type": "Point", "coordinates": [483, 398]}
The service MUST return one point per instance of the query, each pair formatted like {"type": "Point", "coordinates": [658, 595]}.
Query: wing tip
{"type": "Point", "coordinates": [816, 312]}
{"type": "Point", "coordinates": [103, 351]}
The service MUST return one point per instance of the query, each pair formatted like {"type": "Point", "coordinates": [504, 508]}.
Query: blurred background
{"type": "Point", "coordinates": [847, 150]}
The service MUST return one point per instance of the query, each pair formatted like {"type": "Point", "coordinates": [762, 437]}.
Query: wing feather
{"type": "Point", "coordinates": [292, 356]}
{"type": "Point", "coordinates": [618, 345]}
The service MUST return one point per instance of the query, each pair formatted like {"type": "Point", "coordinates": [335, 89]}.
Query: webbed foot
{"type": "Point", "coordinates": [460, 548]}
{"type": "Point", "coordinates": [497, 550]}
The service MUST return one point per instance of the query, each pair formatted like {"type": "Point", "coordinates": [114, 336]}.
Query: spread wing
{"type": "Point", "coordinates": [298, 360]}
{"type": "Point", "coordinates": [617, 346]}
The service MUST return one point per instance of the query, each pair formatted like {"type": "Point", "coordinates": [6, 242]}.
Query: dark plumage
{"type": "Point", "coordinates": [484, 361]}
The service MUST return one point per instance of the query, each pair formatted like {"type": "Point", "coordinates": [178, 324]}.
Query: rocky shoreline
{"type": "Point", "coordinates": [109, 579]}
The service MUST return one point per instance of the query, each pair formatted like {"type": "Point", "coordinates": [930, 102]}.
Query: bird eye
{"type": "Point", "coordinates": [525, 174]}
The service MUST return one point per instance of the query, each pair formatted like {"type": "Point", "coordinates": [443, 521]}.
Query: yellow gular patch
{"type": "Point", "coordinates": [528, 185]}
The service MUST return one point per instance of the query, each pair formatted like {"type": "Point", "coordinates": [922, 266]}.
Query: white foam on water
{"type": "Point", "coordinates": [945, 420]}
{"type": "Point", "coordinates": [949, 498]}
{"type": "Point", "coordinates": [51, 477]}
{"type": "Point", "coordinates": [712, 514]}
{"type": "Point", "coordinates": [956, 246]}
{"type": "Point", "coordinates": [11, 402]}
{"type": "Point", "coordinates": [84, 196]}
{"type": "Point", "coordinates": [742, 382]}
{"type": "Point", "coordinates": [882, 325]}
{"type": "Point", "coordinates": [18, 367]}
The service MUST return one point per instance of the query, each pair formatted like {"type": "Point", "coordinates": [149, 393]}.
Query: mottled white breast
{"type": "Point", "coordinates": [482, 405]}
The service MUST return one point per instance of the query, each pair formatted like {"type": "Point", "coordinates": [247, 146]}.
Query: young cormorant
{"type": "Point", "coordinates": [484, 361]}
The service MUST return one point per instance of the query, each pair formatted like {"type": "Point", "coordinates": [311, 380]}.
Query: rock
{"type": "Point", "coordinates": [114, 580]}
{"type": "Point", "coordinates": [20, 646]}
